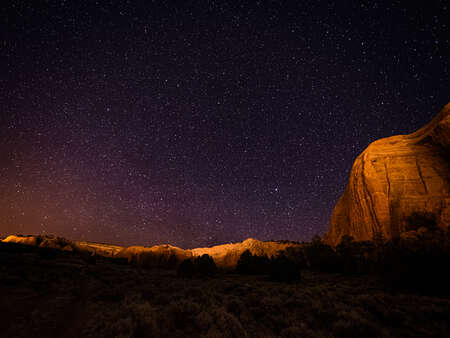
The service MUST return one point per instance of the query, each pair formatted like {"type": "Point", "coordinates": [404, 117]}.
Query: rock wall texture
{"type": "Point", "coordinates": [393, 178]}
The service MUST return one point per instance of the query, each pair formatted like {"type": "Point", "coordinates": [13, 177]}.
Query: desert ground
{"type": "Point", "coordinates": [48, 293]}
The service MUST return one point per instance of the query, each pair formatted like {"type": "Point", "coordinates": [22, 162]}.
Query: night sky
{"type": "Point", "coordinates": [203, 122]}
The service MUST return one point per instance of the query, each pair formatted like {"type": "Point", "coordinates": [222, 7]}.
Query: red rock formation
{"type": "Point", "coordinates": [393, 178]}
{"type": "Point", "coordinates": [225, 256]}
{"type": "Point", "coordinates": [26, 240]}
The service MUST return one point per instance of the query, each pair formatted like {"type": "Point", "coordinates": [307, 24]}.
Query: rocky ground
{"type": "Point", "coordinates": [59, 294]}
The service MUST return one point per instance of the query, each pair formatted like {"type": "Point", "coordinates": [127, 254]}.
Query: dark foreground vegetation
{"type": "Point", "coordinates": [358, 290]}
{"type": "Point", "coordinates": [415, 262]}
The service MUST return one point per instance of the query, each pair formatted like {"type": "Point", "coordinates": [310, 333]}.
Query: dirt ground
{"type": "Point", "coordinates": [66, 295]}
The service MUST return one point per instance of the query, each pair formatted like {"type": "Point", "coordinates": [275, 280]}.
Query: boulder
{"type": "Point", "coordinates": [393, 179]}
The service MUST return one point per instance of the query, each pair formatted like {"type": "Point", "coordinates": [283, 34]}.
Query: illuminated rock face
{"type": "Point", "coordinates": [393, 178]}
{"type": "Point", "coordinates": [225, 256]}
{"type": "Point", "coordinates": [28, 240]}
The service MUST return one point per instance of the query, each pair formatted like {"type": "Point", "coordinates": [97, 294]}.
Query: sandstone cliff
{"type": "Point", "coordinates": [225, 256]}
{"type": "Point", "coordinates": [393, 178]}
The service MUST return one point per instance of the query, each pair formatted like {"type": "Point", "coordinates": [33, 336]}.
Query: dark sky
{"type": "Point", "coordinates": [201, 122]}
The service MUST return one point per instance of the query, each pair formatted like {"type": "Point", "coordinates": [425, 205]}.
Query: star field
{"type": "Point", "coordinates": [203, 122]}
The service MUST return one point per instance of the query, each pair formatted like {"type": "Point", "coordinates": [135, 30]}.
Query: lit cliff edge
{"type": "Point", "coordinates": [394, 178]}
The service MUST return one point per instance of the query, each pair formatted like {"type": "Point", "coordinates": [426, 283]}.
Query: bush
{"type": "Point", "coordinates": [127, 319]}
{"type": "Point", "coordinates": [353, 256]}
{"type": "Point", "coordinates": [321, 256]}
{"type": "Point", "coordinates": [90, 258]}
{"type": "Point", "coordinates": [203, 265]}
{"type": "Point", "coordinates": [282, 269]}
{"type": "Point", "coordinates": [249, 264]}
{"type": "Point", "coordinates": [417, 265]}
{"type": "Point", "coordinates": [186, 268]}
{"type": "Point", "coordinates": [297, 255]}
{"type": "Point", "coordinates": [12, 247]}
{"type": "Point", "coordinates": [48, 253]}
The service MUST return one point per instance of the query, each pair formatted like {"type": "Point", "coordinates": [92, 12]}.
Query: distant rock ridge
{"type": "Point", "coordinates": [225, 255]}
{"type": "Point", "coordinates": [394, 178]}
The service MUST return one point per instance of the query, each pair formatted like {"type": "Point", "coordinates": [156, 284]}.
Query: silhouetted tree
{"type": "Point", "coordinates": [204, 265]}
{"type": "Point", "coordinates": [172, 261]}
{"type": "Point", "coordinates": [252, 264]}
{"type": "Point", "coordinates": [244, 262]}
{"type": "Point", "coordinates": [282, 269]}
{"type": "Point", "coordinates": [354, 256]}
{"type": "Point", "coordinates": [297, 255]}
{"type": "Point", "coordinates": [321, 256]}
{"type": "Point", "coordinates": [417, 265]}
{"type": "Point", "coordinates": [186, 268]}
{"type": "Point", "coordinates": [346, 251]}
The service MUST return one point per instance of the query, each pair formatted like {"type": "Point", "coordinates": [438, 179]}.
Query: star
{"type": "Point", "coordinates": [148, 124]}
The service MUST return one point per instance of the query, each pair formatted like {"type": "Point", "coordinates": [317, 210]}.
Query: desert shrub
{"type": "Point", "coordinates": [282, 269]}
{"type": "Point", "coordinates": [321, 256]}
{"type": "Point", "coordinates": [297, 255]}
{"type": "Point", "coordinates": [162, 299]}
{"type": "Point", "coordinates": [145, 318]}
{"type": "Point", "coordinates": [128, 319]}
{"type": "Point", "coordinates": [119, 260]}
{"type": "Point", "coordinates": [183, 313]}
{"type": "Point", "coordinates": [249, 264]}
{"type": "Point", "coordinates": [147, 259]}
{"type": "Point", "coordinates": [12, 247]}
{"type": "Point", "coordinates": [148, 294]}
{"type": "Point", "coordinates": [353, 324]}
{"type": "Point", "coordinates": [244, 262]}
{"type": "Point", "coordinates": [226, 325]}
{"type": "Point", "coordinates": [111, 295]}
{"type": "Point", "coordinates": [194, 292]}
{"type": "Point", "coordinates": [169, 262]}
{"type": "Point", "coordinates": [186, 268]}
{"type": "Point", "coordinates": [200, 266]}
{"type": "Point", "coordinates": [298, 331]}
{"type": "Point", "coordinates": [157, 260]}
{"type": "Point", "coordinates": [165, 260]}
{"type": "Point", "coordinates": [417, 265]}
{"type": "Point", "coordinates": [353, 257]}
{"type": "Point", "coordinates": [204, 265]}
{"type": "Point", "coordinates": [235, 306]}
{"type": "Point", "coordinates": [48, 253]}
{"type": "Point", "coordinates": [203, 321]}
{"type": "Point", "coordinates": [90, 258]}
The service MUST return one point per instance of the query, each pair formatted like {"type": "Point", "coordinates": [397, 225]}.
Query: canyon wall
{"type": "Point", "coordinates": [393, 179]}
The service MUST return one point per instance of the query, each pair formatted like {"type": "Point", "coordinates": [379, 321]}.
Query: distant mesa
{"type": "Point", "coordinates": [394, 180]}
{"type": "Point", "coordinates": [225, 256]}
